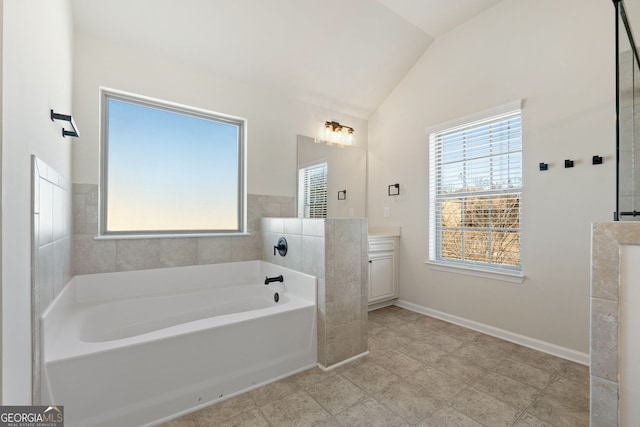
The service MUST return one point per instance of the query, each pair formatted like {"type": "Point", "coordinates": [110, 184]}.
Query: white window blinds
{"type": "Point", "coordinates": [476, 193]}
{"type": "Point", "coordinates": [312, 191]}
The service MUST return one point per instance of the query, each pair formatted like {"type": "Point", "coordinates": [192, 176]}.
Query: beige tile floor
{"type": "Point", "coordinates": [420, 372]}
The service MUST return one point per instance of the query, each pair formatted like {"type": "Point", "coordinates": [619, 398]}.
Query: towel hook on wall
{"type": "Point", "coordinates": [57, 116]}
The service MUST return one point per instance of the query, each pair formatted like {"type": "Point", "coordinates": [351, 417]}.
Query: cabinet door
{"type": "Point", "coordinates": [381, 276]}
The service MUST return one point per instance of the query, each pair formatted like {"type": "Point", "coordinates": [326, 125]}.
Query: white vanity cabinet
{"type": "Point", "coordinates": [383, 268]}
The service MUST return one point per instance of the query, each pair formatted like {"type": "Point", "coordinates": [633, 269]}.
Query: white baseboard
{"type": "Point", "coordinates": [545, 347]}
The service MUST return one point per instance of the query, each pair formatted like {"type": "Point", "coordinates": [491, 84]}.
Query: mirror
{"type": "Point", "coordinates": [346, 170]}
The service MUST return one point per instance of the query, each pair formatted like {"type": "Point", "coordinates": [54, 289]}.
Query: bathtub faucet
{"type": "Point", "coordinates": [268, 279]}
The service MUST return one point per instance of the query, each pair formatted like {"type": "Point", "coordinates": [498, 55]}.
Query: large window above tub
{"type": "Point", "coordinates": [476, 194]}
{"type": "Point", "coordinates": [169, 169]}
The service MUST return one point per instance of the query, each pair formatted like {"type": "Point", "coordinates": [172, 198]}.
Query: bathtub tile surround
{"type": "Point", "coordinates": [51, 250]}
{"type": "Point", "coordinates": [606, 242]}
{"type": "Point", "coordinates": [409, 380]}
{"type": "Point", "coordinates": [85, 209]}
{"type": "Point", "coordinates": [335, 251]}
{"type": "Point", "coordinates": [104, 256]}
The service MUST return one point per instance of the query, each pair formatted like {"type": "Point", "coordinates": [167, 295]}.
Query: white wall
{"type": "Point", "coordinates": [273, 120]}
{"type": "Point", "coordinates": [558, 57]}
{"type": "Point", "coordinates": [37, 74]}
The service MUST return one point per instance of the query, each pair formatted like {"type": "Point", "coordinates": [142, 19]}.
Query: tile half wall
{"type": "Point", "coordinates": [50, 250]}
{"type": "Point", "coordinates": [335, 251]}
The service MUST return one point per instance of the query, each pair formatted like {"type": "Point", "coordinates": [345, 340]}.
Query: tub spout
{"type": "Point", "coordinates": [268, 279]}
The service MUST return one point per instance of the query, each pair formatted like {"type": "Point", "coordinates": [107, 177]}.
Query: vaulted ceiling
{"type": "Point", "coordinates": [346, 55]}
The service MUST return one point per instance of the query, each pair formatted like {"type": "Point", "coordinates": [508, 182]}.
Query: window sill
{"type": "Point", "coordinates": [495, 275]}
{"type": "Point", "coordinates": [165, 236]}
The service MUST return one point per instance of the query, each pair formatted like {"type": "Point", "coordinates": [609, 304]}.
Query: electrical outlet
{"type": "Point", "coordinates": [386, 212]}
{"type": "Point", "coordinates": [350, 212]}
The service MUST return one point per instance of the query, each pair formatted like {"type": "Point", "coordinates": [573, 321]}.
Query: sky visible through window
{"type": "Point", "coordinates": [169, 171]}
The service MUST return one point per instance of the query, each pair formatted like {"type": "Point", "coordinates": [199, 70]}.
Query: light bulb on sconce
{"type": "Point", "coordinates": [336, 136]}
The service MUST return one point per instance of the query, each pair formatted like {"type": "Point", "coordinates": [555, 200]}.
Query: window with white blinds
{"type": "Point", "coordinates": [312, 191]}
{"type": "Point", "coordinates": [476, 193]}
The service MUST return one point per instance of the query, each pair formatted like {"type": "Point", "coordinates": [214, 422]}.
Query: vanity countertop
{"type": "Point", "coordinates": [384, 231]}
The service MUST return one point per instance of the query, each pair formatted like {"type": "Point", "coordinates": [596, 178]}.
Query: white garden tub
{"type": "Point", "coordinates": [135, 348]}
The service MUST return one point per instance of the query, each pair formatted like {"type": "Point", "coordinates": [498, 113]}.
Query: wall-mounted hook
{"type": "Point", "coordinates": [568, 163]}
{"type": "Point", "coordinates": [597, 160]}
{"type": "Point", "coordinates": [342, 195]}
{"type": "Point", "coordinates": [544, 166]}
{"type": "Point", "coordinates": [393, 190]}
{"type": "Point", "coordinates": [75, 132]}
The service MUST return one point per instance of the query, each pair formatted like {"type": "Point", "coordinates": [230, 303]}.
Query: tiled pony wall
{"type": "Point", "coordinates": [335, 251]}
{"type": "Point", "coordinates": [51, 250]}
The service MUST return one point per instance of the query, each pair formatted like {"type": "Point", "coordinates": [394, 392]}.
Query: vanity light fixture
{"type": "Point", "coordinates": [335, 133]}
{"type": "Point", "coordinates": [342, 195]}
{"type": "Point", "coordinates": [393, 190]}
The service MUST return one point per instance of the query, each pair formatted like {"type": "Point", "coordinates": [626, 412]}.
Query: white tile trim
{"type": "Point", "coordinates": [344, 362]}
